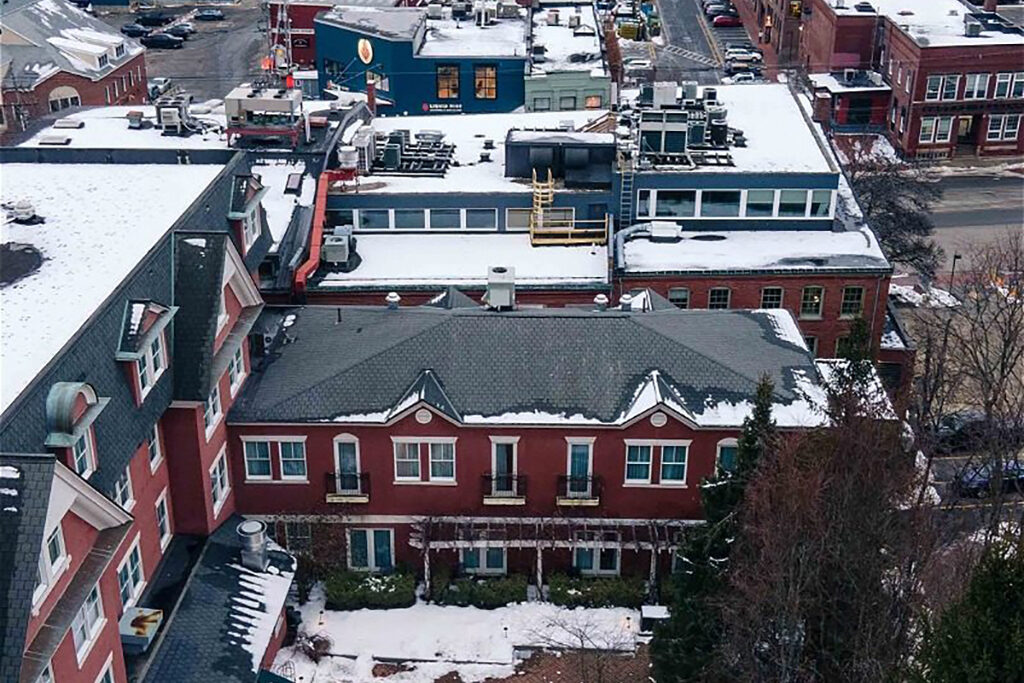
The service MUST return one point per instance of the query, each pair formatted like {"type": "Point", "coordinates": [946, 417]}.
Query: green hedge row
{"type": "Point", "coordinates": [573, 591]}
{"type": "Point", "coordinates": [484, 593]}
{"type": "Point", "coordinates": [353, 590]}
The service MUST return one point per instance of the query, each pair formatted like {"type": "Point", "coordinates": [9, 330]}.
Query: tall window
{"type": "Point", "coordinates": [219, 484]}
{"type": "Point", "coordinates": [950, 84]}
{"type": "Point", "coordinates": [673, 464]}
{"type": "Point", "coordinates": [580, 468]}
{"type": "Point", "coordinates": [975, 86]}
{"type": "Point", "coordinates": [151, 364]}
{"type": "Point", "coordinates": [447, 82]}
{"type": "Point", "coordinates": [442, 462]}
{"type": "Point", "coordinates": [55, 550]}
{"type": "Point", "coordinates": [163, 525]}
{"type": "Point", "coordinates": [83, 456]}
{"type": "Point", "coordinates": [771, 297]}
{"type": "Point", "coordinates": [211, 409]}
{"type": "Point", "coordinates": [718, 298]}
{"type": "Point", "coordinates": [251, 226]}
{"type": "Point", "coordinates": [638, 463]}
{"type": "Point", "coordinates": [123, 490]}
{"type": "Point", "coordinates": [87, 622]}
{"type": "Point", "coordinates": [943, 127]}
{"type": "Point", "coordinates": [257, 460]}
{"type": "Point", "coordinates": [129, 576]}
{"type": "Point", "coordinates": [811, 302]}
{"type": "Point", "coordinates": [679, 296]}
{"type": "Point", "coordinates": [407, 461]}
{"type": "Point", "coordinates": [293, 460]}
{"type": "Point", "coordinates": [236, 370]}
{"type": "Point", "coordinates": [853, 302]}
{"type": "Point", "coordinates": [933, 87]}
{"type": "Point", "coordinates": [486, 82]}
{"type": "Point", "coordinates": [156, 453]}
{"type": "Point", "coordinates": [727, 452]}
{"type": "Point", "coordinates": [1017, 91]}
{"type": "Point", "coordinates": [927, 129]}
{"type": "Point", "coordinates": [1003, 82]}
{"type": "Point", "coordinates": [370, 549]}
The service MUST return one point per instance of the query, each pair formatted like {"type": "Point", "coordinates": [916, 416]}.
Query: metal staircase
{"type": "Point", "coordinates": [546, 227]}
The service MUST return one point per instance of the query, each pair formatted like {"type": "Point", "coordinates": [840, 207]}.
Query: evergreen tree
{"type": "Point", "coordinates": [980, 637]}
{"type": "Point", "coordinates": [684, 647]}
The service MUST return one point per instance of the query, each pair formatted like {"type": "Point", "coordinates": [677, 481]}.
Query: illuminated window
{"type": "Point", "coordinates": [447, 82]}
{"type": "Point", "coordinates": [486, 82]}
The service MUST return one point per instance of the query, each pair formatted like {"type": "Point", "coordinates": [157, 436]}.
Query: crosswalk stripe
{"type": "Point", "coordinates": [690, 54]}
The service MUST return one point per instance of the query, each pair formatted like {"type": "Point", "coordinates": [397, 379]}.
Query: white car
{"type": "Point", "coordinates": [743, 56]}
{"type": "Point", "coordinates": [157, 86]}
{"type": "Point", "coordinates": [740, 78]}
{"type": "Point", "coordinates": [638, 64]}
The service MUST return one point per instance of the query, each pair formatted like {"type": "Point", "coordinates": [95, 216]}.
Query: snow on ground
{"type": "Point", "coordinates": [426, 258]}
{"type": "Point", "coordinates": [933, 297]}
{"type": "Point", "coordinates": [850, 148]}
{"type": "Point", "coordinates": [475, 642]}
{"type": "Point", "coordinates": [95, 232]}
{"type": "Point", "coordinates": [278, 205]}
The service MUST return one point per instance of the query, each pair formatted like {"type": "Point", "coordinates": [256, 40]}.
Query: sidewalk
{"type": "Point", "coordinates": [749, 18]}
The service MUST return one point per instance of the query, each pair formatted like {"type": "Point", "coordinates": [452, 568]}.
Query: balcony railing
{"type": "Point", "coordinates": [348, 487]}
{"type": "Point", "coordinates": [503, 489]}
{"type": "Point", "coordinates": [580, 491]}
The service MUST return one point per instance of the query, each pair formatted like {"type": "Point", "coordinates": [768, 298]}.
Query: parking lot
{"type": "Point", "coordinates": [694, 49]}
{"type": "Point", "coordinates": [216, 58]}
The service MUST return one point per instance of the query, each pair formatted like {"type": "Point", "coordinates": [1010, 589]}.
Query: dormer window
{"type": "Point", "coordinates": [119, 50]}
{"type": "Point", "coordinates": [84, 455]}
{"type": "Point", "coordinates": [102, 61]}
{"type": "Point", "coordinates": [251, 226]}
{"type": "Point", "coordinates": [143, 343]}
{"type": "Point", "coordinates": [212, 411]}
{"type": "Point", "coordinates": [151, 364]}
{"type": "Point", "coordinates": [71, 410]}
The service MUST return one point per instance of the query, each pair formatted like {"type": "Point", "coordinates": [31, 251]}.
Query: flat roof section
{"type": "Point", "coordinates": [100, 220]}
{"type": "Point", "coordinates": [397, 260]}
{"type": "Point", "coordinates": [933, 23]}
{"type": "Point", "coordinates": [568, 48]}
{"type": "Point", "coordinates": [450, 38]}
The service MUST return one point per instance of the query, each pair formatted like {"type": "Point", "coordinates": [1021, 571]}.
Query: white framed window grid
{"type": "Point", "coordinates": [818, 204]}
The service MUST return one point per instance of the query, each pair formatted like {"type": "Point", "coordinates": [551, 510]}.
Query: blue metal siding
{"type": "Point", "coordinates": [413, 79]}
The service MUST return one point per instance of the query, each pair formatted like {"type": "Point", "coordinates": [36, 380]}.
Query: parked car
{"type": "Point", "coordinates": [742, 45]}
{"type": "Point", "coordinates": [743, 55]}
{"type": "Point", "coordinates": [135, 30]}
{"type": "Point", "coordinates": [733, 68]}
{"type": "Point", "coordinates": [715, 7]}
{"type": "Point", "coordinates": [743, 77]}
{"type": "Point", "coordinates": [210, 14]}
{"type": "Point", "coordinates": [154, 18]}
{"type": "Point", "coordinates": [726, 21]}
{"type": "Point", "coordinates": [162, 41]}
{"type": "Point", "coordinates": [157, 86]}
{"type": "Point", "coordinates": [976, 480]}
{"type": "Point", "coordinates": [179, 31]}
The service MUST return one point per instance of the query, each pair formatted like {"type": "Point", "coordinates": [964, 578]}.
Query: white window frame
{"type": "Point", "coordinates": [842, 301]}
{"type": "Point", "coordinates": [956, 86]}
{"type": "Point", "coordinates": [638, 443]}
{"type": "Point", "coordinates": [652, 204]}
{"type": "Point", "coordinates": [782, 296]}
{"type": "Point", "coordinates": [997, 123]}
{"type": "Point", "coordinates": [674, 443]}
{"type": "Point", "coordinates": [430, 461]}
{"type": "Point", "coordinates": [727, 443]}
{"type": "Point", "coordinates": [587, 441]}
{"type": "Point", "coordinates": [976, 86]}
{"type": "Point", "coordinates": [927, 132]}
{"type": "Point", "coordinates": [155, 438]}
{"type": "Point", "coordinates": [212, 410]}
{"type": "Point", "coordinates": [1018, 78]}
{"type": "Point", "coordinates": [251, 226]}
{"type": "Point", "coordinates": [126, 503]}
{"type": "Point", "coordinates": [371, 565]}
{"type": "Point", "coordinates": [1005, 81]}
{"type": "Point", "coordinates": [236, 370]}
{"type": "Point", "coordinates": [421, 442]}
{"type": "Point", "coordinates": [821, 303]}
{"type": "Point", "coordinates": [107, 672]}
{"type": "Point", "coordinates": [352, 439]}
{"type": "Point", "coordinates": [596, 546]}
{"type": "Point", "coordinates": [85, 628]}
{"type": "Point", "coordinates": [161, 503]}
{"type": "Point", "coordinates": [939, 135]}
{"type": "Point", "coordinates": [301, 441]}
{"type": "Point", "coordinates": [220, 481]}
{"type": "Point", "coordinates": [246, 441]}
{"type": "Point", "coordinates": [150, 366]}
{"type": "Point", "coordinates": [47, 674]}
{"type": "Point", "coordinates": [482, 569]}
{"type": "Point", "coordinates": [50, 571]}
{"type": "Point", "coordinates": [505, 441]}
{"type": "Point", "coordinates": [136, 588]}
{"type": "Point", "coordinates": [928, 91]}
{"type": "Point", "coordinates": [89, 450]}
{"type": "Point", "coordinates": [404, 443]}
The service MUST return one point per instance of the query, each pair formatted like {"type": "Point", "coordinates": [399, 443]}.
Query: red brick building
{"type": "Point", "coordinates": [955, 71]}
{"type": "Point", "coordinates": [300, 15]}
{"type": "Point", "coordinates": [56, 57]}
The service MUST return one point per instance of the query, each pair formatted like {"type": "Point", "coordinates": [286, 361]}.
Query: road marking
{"type": "Point", "coordinates": [691, 55]}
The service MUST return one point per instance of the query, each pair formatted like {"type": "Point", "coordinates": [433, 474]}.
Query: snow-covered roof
{"type": "Point", "coordinates": [450, 38]}
{"type": "Point", "coordinates": [935, 23]}
{"type": "Point", "coordinates": [441, 259]}
{"type": "Point", "coordinates": [94, 234]}
{"type": "Point", "coordinates": [468, 133]}
{"type": "Point", "coordinates": [568, 49]}
{"type": "Point", "coordinates": [863, 81]}
{"type": "Point", "coordinates": [756, 250]}
{"type": "Point", "coordinates": [278, 205]}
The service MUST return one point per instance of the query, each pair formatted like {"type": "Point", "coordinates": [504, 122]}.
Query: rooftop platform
{"type": "Point", "coordinates": [100, 221]}
{"type": "Point", "coordinates": [434, 261]}
{"type": "Point", "coordinates": [936, 23]}
{"type": "Point", "coordinates": [862, 81]}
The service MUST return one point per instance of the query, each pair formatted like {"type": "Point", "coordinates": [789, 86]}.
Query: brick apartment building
{"type": "Point", "coordinates": [778, 22]}
{"type": "Point", "coordinates": [954, 71]}
{"type": "Point", "coordinates": [56, 57]}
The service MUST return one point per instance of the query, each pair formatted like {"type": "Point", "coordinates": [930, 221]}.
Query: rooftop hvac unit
{"type": "Point", "coordinates": [849, 75]}
{"type": "Point", "coordinates": [434, 10]}
{"type": "Point", "coordinates": [716, 113]}
{"type": "Point", "coordinates": [552, 17]}
{"type": "Point", "coordinates": [972, 29]}
{"type": "Point", "coordinates": [508, 10]}
{"type": "Point", "coordinates": [663, 132]}
{"type": "Point", "coordinates": [710, 94]}
{"type": "Point", "coordinates": [363, 141]}
{"type": "Point", "coordinates": [719, 133]}
{"type": "Point", "coordinates": [689, 90]}
{"type": "Point", "coordinates": [138, 627]}
{"type": "Point", "coordinates": [392, 156]}
{"type": "Point", "coordinates": [501, 288]}
{"type": "Point", "coordinates": [348, 158]}
{"type": "Point", "coordinates": [68, 122]}
{"type": "Point", "coordinates": [664, 231]}
{"type": "Point", "coordinates": [664, 94]}
{"type": "Point", "coordinates": [460, 10]}
{"type": "Point", "coordinates": [574, 21]}
{"type": "Point", "coordinates": [695, 133]}
{"type": "Point", "coordinates": [337, 247]}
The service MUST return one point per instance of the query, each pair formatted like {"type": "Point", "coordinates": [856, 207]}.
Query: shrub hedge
{"type": "Point", "coordinates": [573, 591]}
{"type": "Point", "coordinates": [489, 593]}
{"type": "Point", "coordinates": [352, 590]}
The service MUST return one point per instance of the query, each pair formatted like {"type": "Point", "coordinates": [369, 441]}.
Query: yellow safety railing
{"type": "Point", "coordinates": [548, 226]}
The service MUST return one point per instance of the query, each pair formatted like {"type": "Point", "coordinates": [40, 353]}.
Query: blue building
{"type": "Point", "coordinates": [458, 62]}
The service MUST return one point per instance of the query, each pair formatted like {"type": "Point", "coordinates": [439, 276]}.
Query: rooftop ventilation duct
{"type": "Point", "coordinates": [253, 535]}
{"type": "Point", "coordinates": [501, 288]}
{"type": "Point", "coordinates": [393, 300]}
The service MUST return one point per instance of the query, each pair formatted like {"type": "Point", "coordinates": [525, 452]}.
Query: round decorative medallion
{"type": "Point", "coordinates": [659, 419]}
{"type": "Point", "coordinates": [423, 416]}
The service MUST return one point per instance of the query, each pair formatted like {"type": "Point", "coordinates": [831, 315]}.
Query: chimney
{"type": "Point", "coordinates": [393, 300]}
{"type": "Point", "coordinates": [501, 288]}
{"type": "Point", "coordinates": [626, 302]}
{"type": "Point", "coordinates": [601, 302]}
{"type": "Point", "coordinates": [990, 5]}
{"type": "Point", "coordinates": [253, 535]}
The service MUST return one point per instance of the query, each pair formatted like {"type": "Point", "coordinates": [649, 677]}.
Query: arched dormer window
{"type": "Point", "coordinates": [71, 410]}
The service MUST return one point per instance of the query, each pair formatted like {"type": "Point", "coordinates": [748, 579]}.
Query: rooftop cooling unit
{"type": "Point", "coordinates": [552, 17]}
{"type": "Point", "coordinates": [434, 10]}
{"type": "Point", "coordinates": [574, 21]}
{"type": "Point", "coordinates": [849, 75]}
{"type": "Point", "coordinates": [138, 627]}
{"type": "Point", "coordinates": [972, 29]}
{"type": "Point", "coordinates": [392, 156]}
{"type": "Point", "coordinates": [363, 141]}
{"type": "Point", "coordinates": [501, 288]}
{"type": "Point", "coordinates": [337, 247]}
{"type": "Point", "coordinates": [689, 90]}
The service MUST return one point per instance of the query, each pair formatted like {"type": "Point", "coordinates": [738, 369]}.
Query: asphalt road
{"type": "Point", "coordinates": [687, 54]}
{"type": "Point", "coordinates": [977, 208]}
{"type": "Point", "coordinates": [214, 60]}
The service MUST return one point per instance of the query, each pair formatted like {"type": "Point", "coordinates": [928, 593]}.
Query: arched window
{"type": "Point", "coordinates": [71, 409]}
{"type": "Point", "coordinates": [63, 97]}
{"type": "Point", "coordinates": [727, 454]}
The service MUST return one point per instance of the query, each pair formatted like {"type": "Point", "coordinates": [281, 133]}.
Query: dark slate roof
{"type": "Point", "coordinates": [198, 276]}
{"type": "Point", "coordinates": [556, 361]}
{"type": "Point", "coordinates": [453, 298]}
{"type": "Point", "coordinates": [201, 640]}
{"type": "Point", "coordinates": [22, 518]}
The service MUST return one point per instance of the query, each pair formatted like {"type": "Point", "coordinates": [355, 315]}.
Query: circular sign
{"type": "Point", "coordinates": [423, 416]}
{"type": "Point", "coordinates": [659, 419]}
{"type": "Point", "coordinates": [365, 51]}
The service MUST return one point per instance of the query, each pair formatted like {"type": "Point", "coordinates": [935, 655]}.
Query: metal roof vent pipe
{"type": "Point", "coordinates": [626, 302]}
{"type": "Point", "coordinates": [601, 302]}
{"type": "Point", "coordinates": [393, 300]}
{"type": "Point", "coordinates": [253, 535]}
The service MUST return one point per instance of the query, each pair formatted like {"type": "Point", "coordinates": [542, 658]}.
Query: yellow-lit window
{"type": "Point", "coordinates": [447, 82]}
{"type": "Point", "coordinates": [486, 82]}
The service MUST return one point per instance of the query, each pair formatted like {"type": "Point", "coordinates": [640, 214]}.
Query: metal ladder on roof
{"type": "Point", "coordinates": [625, 192]}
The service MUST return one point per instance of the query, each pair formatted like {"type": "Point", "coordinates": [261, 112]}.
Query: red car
{"type": "Point", "coordinates": [725, 20]}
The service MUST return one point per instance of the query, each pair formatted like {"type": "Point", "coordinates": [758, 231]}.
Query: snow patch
{"type": "Point", "coordinates": [9, 472]}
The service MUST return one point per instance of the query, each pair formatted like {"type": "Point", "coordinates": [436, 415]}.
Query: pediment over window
{"type": "Point", "coordinates": [71, 408]}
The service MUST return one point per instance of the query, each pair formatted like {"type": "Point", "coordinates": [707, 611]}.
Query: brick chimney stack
{"type": "Point", "coordinates": [990, 5]}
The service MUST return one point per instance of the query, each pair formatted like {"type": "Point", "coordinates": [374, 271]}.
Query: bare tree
{"type": "Point", "coordinates": [592, 643]}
